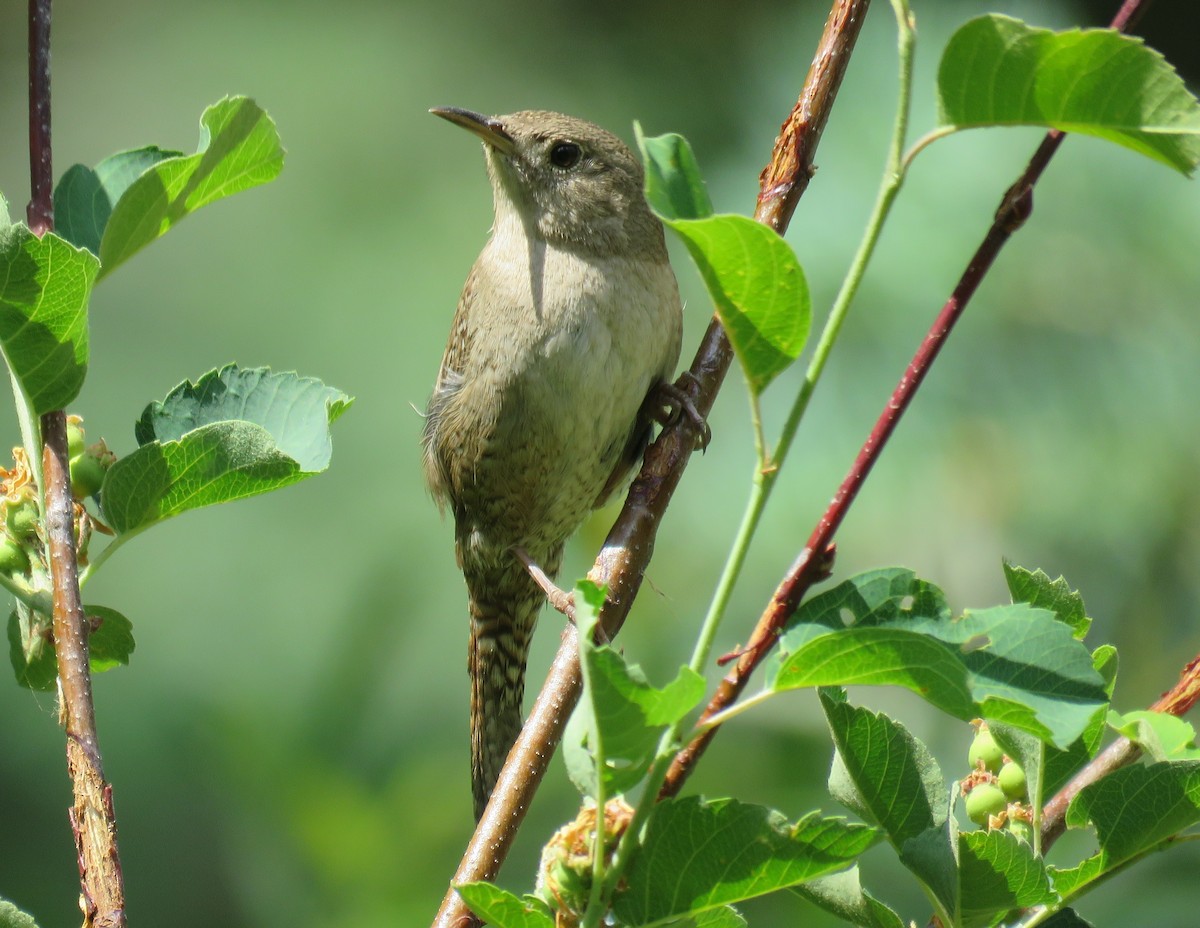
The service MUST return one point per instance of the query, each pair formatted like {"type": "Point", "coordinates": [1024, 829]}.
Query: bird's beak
{"type": "Point", "coordinates": [488, 128]}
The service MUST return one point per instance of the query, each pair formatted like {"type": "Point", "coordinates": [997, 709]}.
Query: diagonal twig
{"type": "Point", "coordinates": [93, 821]}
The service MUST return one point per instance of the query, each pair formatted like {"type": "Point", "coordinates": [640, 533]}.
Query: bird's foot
{"type": "Point", "coordinates": [674, 401]}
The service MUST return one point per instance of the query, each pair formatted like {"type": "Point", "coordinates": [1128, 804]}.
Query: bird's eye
{"type": "Point", "coordinates": [565, 154]}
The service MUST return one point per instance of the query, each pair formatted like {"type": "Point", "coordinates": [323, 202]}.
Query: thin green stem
{"type": "Point", "coordinates": [37, 599]}
{"type": "Point", "coordinates": [30, 436]}
{"type": "Point", "coordinates": [768, 470]}
{"type": "Point", "coordinates": [95, 563]}
{"type": "Point", "coordinates": [597, 904]}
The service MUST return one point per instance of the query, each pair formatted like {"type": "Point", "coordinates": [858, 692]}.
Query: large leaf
{"type": "Point", "coordinates": [134, 197]}
{"type": "Point", "coordinates": [702, 855]}
{"type": "Point", "coordinates": [998, 872]}
{"type": "Point", "coordinates": [842, 895]}
{"type": "Point", "coordinates": [882, 772]}
{"type": "Point", "coordinates": [752, 275]}
{"type": "Point", "coordinates": [45, 284]}
{"type": "Point", "coordinates": [1133, 810]}
{"type": "Point", "coordinates": [84, 197]}
{"type": "Point", "coordinates": [1015, 664]}
{"type": "Point", "coordinates": [502, 909]}
{"type": "Point", "coordinates": [619, 721]}
{"type": "Point", "coordinates": [998, 71]}
{"type": "Point", "coordinates": [235, 433]}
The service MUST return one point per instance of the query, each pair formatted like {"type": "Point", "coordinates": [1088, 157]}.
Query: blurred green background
{"type": "Point", "coordinates": [289, 745]}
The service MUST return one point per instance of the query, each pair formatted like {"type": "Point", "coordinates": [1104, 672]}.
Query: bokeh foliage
{"type": "Point", "coordinates": [291, 733]}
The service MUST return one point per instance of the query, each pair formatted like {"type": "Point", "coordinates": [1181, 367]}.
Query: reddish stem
{"type": "Point", "coordinates": [93, 820]}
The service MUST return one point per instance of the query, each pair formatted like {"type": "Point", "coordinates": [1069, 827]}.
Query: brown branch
{"type": "Point", "coordinates": [630, 544]}
{"type": "Point", "coordinates": [92, 818]}
{"type": "Point", "coordinates": [815, 559]}
{"type": "Point", "coordinates": [1122, 752]}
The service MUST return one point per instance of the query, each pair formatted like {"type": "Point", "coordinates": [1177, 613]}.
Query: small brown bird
{"type": "Point", "coordinates": [568, 320]}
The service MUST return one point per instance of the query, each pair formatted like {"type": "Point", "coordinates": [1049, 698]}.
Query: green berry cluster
{"type": "Point", "coordinates": [995, 790]}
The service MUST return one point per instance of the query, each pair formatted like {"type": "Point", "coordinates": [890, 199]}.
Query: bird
{"type": "Point", "coordinates": [569, 321]}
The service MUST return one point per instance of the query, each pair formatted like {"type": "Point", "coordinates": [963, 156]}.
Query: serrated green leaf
{"type": "Point", "coordinates": [701, 855]}
{"type": "Point", "coordinates": [502, 909]}
{"type": "Point", "coordinates": [1135, 808]}
{"type": "Point", "coordinates": [996, 70]}
{"type": "Point", "coordinates": [12, 917]}
{"type": "Point", "coordinates": [1014, 664]}
{"type": "Point", "coordinates": [296, 410]}
{"type": "Point", "coordinates": [1069, 881]}
{"type": "Point", "coordinates": [239, 148]}
{"type": "Point", "coordinates": [620, 711]}
{"type": "Point", "coordinates": [195, 453]}
{"type": "Point", "coordinates": [1036, 588]}
{"type": "Point", "coordinates": [1161, 735]}
{"type": "Point", "coordinates": [31, 651]}
{"type": "Point", "coordinates": [674, 187]}
{"type": "Point", "coordinates": [842, 895]}
{"type": "Point", "coordinates": [84, 197]}
{"type": "Point", "coordinates": [45, 284]}
{"type": "Point", "coordinates": [893, 780]}
{"type": "Point", "coordinates": [756, 283]}
{"type": "Point", "coordinates": [998, 872]}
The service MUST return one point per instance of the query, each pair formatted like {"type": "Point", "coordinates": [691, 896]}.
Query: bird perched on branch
{"type": "Point", "coordinates": [568, 321]}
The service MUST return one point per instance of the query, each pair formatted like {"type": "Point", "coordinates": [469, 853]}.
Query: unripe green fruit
{"type": "Point", "coordinates": [1022, 829]}
{"type": "Point", "coordinates": [75, 440]}
{"type": "Point", "coordinates": [984, 748]}
{"type": "Point", "coordinates": [984, 800]}
{"type": "Point", "coordinates": [1012, 780]}
{"type": "Point", "coordinates": [87, 474]}
{"type": "Point", "coordinates": [13, 559]}
{"type": "Point", "coordinates": [21, 518]}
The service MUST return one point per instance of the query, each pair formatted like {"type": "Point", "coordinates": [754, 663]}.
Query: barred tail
{"type": "Point", "coordinates": [504, 608]}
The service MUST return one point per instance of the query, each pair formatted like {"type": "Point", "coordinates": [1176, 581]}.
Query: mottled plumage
{"type": "Point", "coordinates": [568, 319]}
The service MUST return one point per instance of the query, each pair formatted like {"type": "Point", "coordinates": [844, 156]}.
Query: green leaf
{"type": "Point", "coordinates": [752, 275]}
{"type": "Point", "coordinates": [620, 712]}
{"type": "Point", "coordinates": [1161, 735]}
{"type": "Point", "coordinates": [1037, 589]}
{"type": "Point", "coordinates": [84, 197]}
{"type": "Point", "coordinates": [999, 71]}
{"type": "Point", "coordinates": [842, 895]}
{"type": "Point", "coordinates": [998, 872]}
{"type": "Point", "coordinates": [12, 917]}
{"type": "Point", "coordinates": [31, 651]}
{"type": "Point", "coordinates": [295, 410]}
{"type": "Point", "coordinates": [883, 773]}
{"type": "Point", "coordinates": [701, 855]}
{"type": "Point", "coordinates": [723, 917]}
{"type": "Point", "coordinates": [501, 908]}
{"type": "Point", "coordinates": [1135, 808]}
{"type": "Point", "coordinates": [196, 451]}
{"type": "Point", "coordinates": [674, 187]}
{"type": "Point", "coordinates": [759, 290]}
{"type": "Point", "coordinates": [932, 856]}
{"type": "Point", "coordinates": [45, 284]}
{"type": "Point", "coordinates": [1013, 664]}
{"type": "Point", "coordinates": [111, 641]}
{"type": "Point", "coordinates": [239, 148]}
